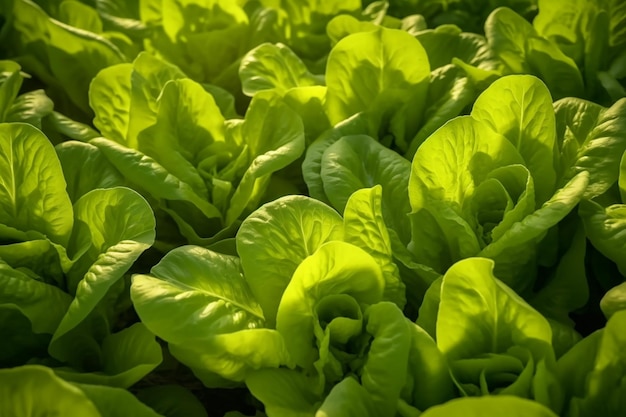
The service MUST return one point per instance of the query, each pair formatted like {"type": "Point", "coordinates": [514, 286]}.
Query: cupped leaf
{"type": "Point", "coordinates": [38, 258]}
{"type": "Point", "coordinates": [335, 268]}
{"type": "Point", "coordinates": [591, 138]}
{"type": "Point", "coordinates": [10, 83]}
{"type": "Point", "coordinates": [344, 25]}
{"type": "Point", "coordinates": [606, 229]}
{"type": "Point", "coordinates": [35, 390]}
{"type": "Point", "coordinates": [517, 44]}
{"type": "Point", "coordinates": [284, 393]}
{"type": "Point", "coordinates": [518, 245]}
{"type": "Point", "coordinates": [349, 398]}
{"type": "Point", "coordinates": [614, 300]}
{"type": "Point", "coordinates": [375, 71]}
{"type": "Point", "coordinates": [358, 124]}
{"type": "Point", "coordinates": [479, 314]}
{"type": "Point", "coordinates": [110, 99]}
{"type": "Point", "coordinates": [493, 339]}
{"type": "Point", "coordinates": [492, 406]}
{"type": "Point", "coordinates": [116, 402]}
{"type": "Point", "coordinates": [188, 128]}
{"type": "Point", "coordinates": [273, 67]}
{"type": "Point", "coordinates": [364, 227]}
{"type": "Point", "coordinates": [32, 188]}
{"type": "Point", "coordinates": [308, 102]}
{"type": "Point", "coordinates": [276, 238]}
{"type": "Point", "coordinates": [85, 168]}
{"type": "Point", "coordinates": [384, 372]}
{"type": "Point", "coordinates": [274, 135]}
{"type": "Point", "coordinates": [428, 371]}
{"type": "Point", "coordinates": [593, 371]}
{"type": "Point", "coordinates": [118, 226]}
{"type": "Point", "coordinates": [445, 172]}
{"type": "Point", "coordinates": [127, 356]}
{"type": "Point", "coordinates": [148, 78]}
{"type": "Point", "coordinates": [42, 304]}
{"type": "Point", "coordinates": [503, 199]}
{"type": "Point", "coordinates": [358, 161]}
{"type": "Point", "coordinates": [520, 108]}
{"type": "Point", "coordinates": [446, 42]}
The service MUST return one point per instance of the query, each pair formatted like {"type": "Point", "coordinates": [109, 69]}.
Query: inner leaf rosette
{"type": "Point", "coordinates": [495, 343]}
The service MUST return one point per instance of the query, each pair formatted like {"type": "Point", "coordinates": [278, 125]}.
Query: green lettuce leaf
{"type": "Point", "coordinates": [308, 20]}
{"type": "Point", "coordinates": [490, 407]}
{"type": "Point", "coordinates": [44, 305]}
{"type": "Point", "coordinates": [85, 168]}
{"type": "Point", "coordinates": [283, 392]}
{"type": "Point", "coordinates": [273, 67]}
{"type": "Point", "coordinates": [605, 227]}
{"type": "Point", "coordinates": [189, 128]}
{"type": "Point", "coordinates": [446, 170]}
{"type": "Point", "coordinates": [116, 402]}
{"type": "Point", "coordinates": [35, 390]}
{"type": "Point", "coordinates": [592, 372]}
{"type": "Point", "coordinates": [32, 186]}
{"type": "Point", "coordinates": [312, 165]}
{"type": "Point", "coordinates": [276, 238]}
{"type": "Point", "coordinates": [614, 300]}
{"type": "Point", "coordinates": [358, 161]}
{"type": "Point", "coordinates": [64, 57]}
{"type": "Point", "coordinates": [378, 72]}
{"type": "Point", "coordinates": [349, 399]}
{"type": "Point", "coordinates": [10, 83]}
{"type": "Point", "coordinates": [494, 341]}
{"type": "Point", "coordinates": [591, 138]}
{"type": "Point", "coordinates": [274, 136]}
{"type": "Point", "coordinates": [428, 377]}
{"type": "Point", "coordinates": [127, 356]}
{"type": "Point", "coordinates": [384, 372]}
{"type": "Point", "coordinates": [516, 43]}
{"type": "Point", "coordinates": [117, 225]}
{"type": "Point", "coordinates": [364, 227]}
{"type": "Point", "coordinates": [520, 108]}
{"type": "Point", "coordinates": [335, 268]}
{"type": "Point", "coordinates": [219, 330]}
{"type": "Point", "coordinates": [523, 237]}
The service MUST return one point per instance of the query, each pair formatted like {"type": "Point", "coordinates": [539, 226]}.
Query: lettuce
{"type": "Point", "coordinates": [312, 208]}
{"type": "Point", "coordinates": [36, 390]}
{"type": "Point", "coordinates": [321, 295]}
{"type": "Point", "coordinates": [215, 170]}
{"type": "Point", "coordinates": [494, 341]}
{"type": "Point", "coordinates": [63, 263]}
